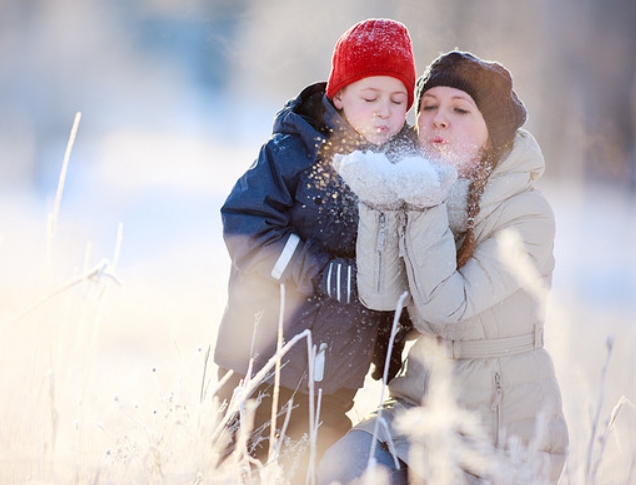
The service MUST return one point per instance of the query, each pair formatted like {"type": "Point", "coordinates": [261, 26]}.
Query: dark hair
{"type": "Point", "coordinates": [479, 179]}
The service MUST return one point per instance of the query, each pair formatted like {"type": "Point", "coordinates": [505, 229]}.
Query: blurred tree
{"type": "Point", "coordinates": [195, 36]}
{"type": "Point", "coordinates": [608, 83]}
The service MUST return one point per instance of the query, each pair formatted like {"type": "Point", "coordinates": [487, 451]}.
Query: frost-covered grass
{"type": "Point", "coordinates": [107, 378]}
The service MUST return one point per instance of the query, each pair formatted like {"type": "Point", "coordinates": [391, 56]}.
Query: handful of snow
{"type": "Point", "coordinates": [414, 180]}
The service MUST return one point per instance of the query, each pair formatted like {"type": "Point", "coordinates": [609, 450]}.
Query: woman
{"type": "Point", "coordinates": [477, 266]}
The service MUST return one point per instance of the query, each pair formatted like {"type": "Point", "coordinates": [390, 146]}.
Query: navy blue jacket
{"type": "Point", "coordinates": [284, 220]}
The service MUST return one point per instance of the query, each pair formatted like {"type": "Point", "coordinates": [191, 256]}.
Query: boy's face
{"type": "Point", "coordinates": [374, 106]}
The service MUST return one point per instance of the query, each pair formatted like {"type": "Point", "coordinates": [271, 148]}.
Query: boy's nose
{"type": "Point", "coordinates": [383, 110]}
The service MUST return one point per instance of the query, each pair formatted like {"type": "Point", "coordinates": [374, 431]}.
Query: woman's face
{"type": "Point", "coordinates": [374, 106]}
{"type": "Point", "coordinates": [451, 128]}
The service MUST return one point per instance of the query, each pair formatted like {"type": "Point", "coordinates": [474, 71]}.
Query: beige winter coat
{"type": "Point", "coordinates": [486, 319]}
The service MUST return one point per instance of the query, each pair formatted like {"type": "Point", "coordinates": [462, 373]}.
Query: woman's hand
{"type": "Point", "coordinates": [421, 183]}
{"type": "Point", "coordinates": [414, 181]}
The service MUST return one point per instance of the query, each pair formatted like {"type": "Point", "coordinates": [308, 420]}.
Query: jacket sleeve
{"type": "Point", "coordinates": [256, 220]}
{"type": "Point", "coordinates": [442, 293]}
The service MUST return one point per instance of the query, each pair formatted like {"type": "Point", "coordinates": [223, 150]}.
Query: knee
{"type": "Point", "coordinates": [345, 460]}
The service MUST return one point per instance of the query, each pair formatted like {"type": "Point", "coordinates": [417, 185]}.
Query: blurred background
{"type": "Point", "coordinates": [176, 97]}
{"type": "Point", "coordinates": [210, 68]}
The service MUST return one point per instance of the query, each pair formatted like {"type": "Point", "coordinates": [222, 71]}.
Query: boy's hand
{"type": "Point", "coordinates": [367, 174]}
{"type": "Point", "coordinates": [338, 280]}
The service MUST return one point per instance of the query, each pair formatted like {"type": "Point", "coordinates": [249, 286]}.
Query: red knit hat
{"type": "Point", "coordinates": [373, 47]}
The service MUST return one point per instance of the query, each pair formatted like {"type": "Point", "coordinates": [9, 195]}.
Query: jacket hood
{"type": "Point", "coordinates": [311, 116]}
{"type": "Point", "coordinates": [525, 157]}
{"type": "Point", "coordinates": [516, 172]}
{"type": "Point", "coordinates": [302, 112]}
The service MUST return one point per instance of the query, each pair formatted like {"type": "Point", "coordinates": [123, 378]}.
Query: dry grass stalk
{"type": "Point", "coordinates": [53, 217]}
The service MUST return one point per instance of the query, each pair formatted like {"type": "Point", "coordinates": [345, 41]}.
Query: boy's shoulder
{"type": "Point", "coordinates": [289, 152]}
{"type": "Point", "coordinates": [285, 142]}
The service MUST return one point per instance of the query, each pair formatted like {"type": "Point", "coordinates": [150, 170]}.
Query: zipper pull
{"type": "Point", "coordinates": [498, 393]}
{"type": "Point", "coordinates": [319, 363]}
{"type": "Point", "coordinates": [381, 232]}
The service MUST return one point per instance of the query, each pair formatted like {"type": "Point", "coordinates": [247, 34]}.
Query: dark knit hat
{"type": "Point", "coordinates": [373, 47]}
{"type": "Point", "coordinates": [490, 86]}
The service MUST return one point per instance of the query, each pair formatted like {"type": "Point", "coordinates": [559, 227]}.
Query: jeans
{"type": "Point", "coordinates": [348, 458]}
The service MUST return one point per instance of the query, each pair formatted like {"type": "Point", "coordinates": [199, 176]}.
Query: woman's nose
{"type": "Point", "coordinates": [440, 120]}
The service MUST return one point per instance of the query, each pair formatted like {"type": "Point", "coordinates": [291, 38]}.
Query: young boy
{"type": "Point", "coordinates": [290, 223]}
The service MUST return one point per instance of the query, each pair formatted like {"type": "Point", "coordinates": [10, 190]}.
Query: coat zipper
{"type": "Point", "coordinates": [496, 408]}
{"type": "Point", "coordinates": [379, 250]}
